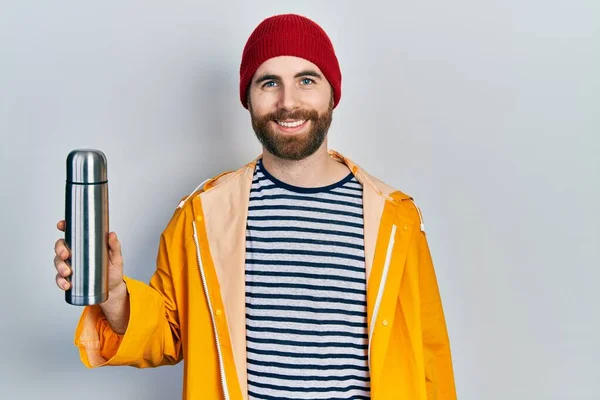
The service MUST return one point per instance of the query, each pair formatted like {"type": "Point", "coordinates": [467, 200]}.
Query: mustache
{"type": "Point", "coordinates": [280, 115]}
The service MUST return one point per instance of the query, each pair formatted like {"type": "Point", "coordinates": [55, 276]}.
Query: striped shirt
{"type": "Point", "coordinates": [306, 317]}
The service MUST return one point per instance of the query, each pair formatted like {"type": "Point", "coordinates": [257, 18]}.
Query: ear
{"type": "Point", "coordinates": [332, 98]}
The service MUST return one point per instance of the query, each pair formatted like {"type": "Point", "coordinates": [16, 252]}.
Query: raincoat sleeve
{"type": "Point", "coordinates": [439, 373]}
{"type": "Point", "coordinates": [153, 335]}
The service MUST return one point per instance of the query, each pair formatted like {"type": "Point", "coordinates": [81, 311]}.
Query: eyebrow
{"type": "Point", "coordinates": [271, 77]}
{"type": "Point", "coordinates": [312, 73]}
{"type": "Point", "coordinates": [266, 77]}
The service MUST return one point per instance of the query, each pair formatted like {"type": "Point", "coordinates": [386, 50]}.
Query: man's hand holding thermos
{"type": "Point", "coordinates": [89, 260]}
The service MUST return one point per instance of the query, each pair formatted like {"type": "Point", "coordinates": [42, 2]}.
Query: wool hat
{"type": "Point", "coordinates": [289, 35]}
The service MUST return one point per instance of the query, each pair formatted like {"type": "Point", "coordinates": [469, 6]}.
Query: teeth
{"type": "Point", "coordinates": [291, 124]}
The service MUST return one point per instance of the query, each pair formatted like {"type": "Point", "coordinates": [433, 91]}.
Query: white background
{"type": "Point", "coordinates": [487, 112]}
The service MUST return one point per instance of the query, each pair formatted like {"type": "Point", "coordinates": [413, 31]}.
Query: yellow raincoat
{"type": "Point", "coordinates": [194, 306]}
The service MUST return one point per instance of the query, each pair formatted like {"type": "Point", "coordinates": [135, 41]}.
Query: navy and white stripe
{"type": "Point", "coordinates": [306, 322]}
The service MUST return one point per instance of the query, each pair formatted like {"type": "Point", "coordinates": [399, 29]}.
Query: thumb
{"type": "Point", "coordinates": [114, 249]}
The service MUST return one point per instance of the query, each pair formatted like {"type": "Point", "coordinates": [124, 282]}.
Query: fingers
{"type": "Point", "coordinates": [60, 249]}
{"type": "Point", "coordinates": [60, 264]}
{"type": "Point", "coordinates": [62, 267]}
{"type": "Point", "coordinates": [62, 282]}
{"type": "Point", "coordinates": [62, 254]}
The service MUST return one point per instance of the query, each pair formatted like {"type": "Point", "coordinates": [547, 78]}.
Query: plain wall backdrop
{"type": "Point", "coordinates": [487, 112]}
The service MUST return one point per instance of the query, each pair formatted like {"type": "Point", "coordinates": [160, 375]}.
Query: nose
{"type": "Point", "coordinates": [288, 98]}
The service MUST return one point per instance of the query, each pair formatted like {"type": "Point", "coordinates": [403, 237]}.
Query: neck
{"type": "Point", "coordinates": [316, 170]}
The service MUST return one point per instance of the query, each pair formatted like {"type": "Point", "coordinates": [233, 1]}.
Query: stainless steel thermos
{"type": "Point", "coordinates": [86, 233]}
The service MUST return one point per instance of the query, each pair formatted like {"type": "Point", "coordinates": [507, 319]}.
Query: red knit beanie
{"type": "Point", "coordinates": [290, 35]}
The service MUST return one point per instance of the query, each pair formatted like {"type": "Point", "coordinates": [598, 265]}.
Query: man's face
{"type": "Point", "coordinates": [291, 104]}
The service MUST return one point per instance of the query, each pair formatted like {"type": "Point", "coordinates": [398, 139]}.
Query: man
{"type": "Point", "coordinates": [298, 276]}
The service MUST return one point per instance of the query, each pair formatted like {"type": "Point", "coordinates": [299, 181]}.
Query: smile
{"type": "Point", "coordinates": [291, 124]}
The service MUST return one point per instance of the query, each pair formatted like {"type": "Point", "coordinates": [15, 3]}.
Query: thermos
{"type": "Point", "coordinates": [86, 233]}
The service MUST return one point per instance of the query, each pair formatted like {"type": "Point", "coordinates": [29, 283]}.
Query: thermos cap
{"type": "Point", "coordinates": [86, 166]}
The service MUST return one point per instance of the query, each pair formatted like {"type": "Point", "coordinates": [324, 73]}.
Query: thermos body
{"type": "Point", "coordinates": [86, 233]}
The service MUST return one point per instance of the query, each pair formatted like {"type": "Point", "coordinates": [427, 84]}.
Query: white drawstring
{"type": "Point", "coordinates": [182, 202]}
{"type": "Point", "coordinates": [420, 216]}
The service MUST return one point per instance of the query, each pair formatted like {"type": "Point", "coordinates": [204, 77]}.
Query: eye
{"type": "Point", "coordinates": [306, 81]}
{"type": "Point", "coordinates": [269, 84]}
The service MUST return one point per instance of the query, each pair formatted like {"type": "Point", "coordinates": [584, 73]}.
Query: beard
{"type": "Point", "coordinates": [292, 147]}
